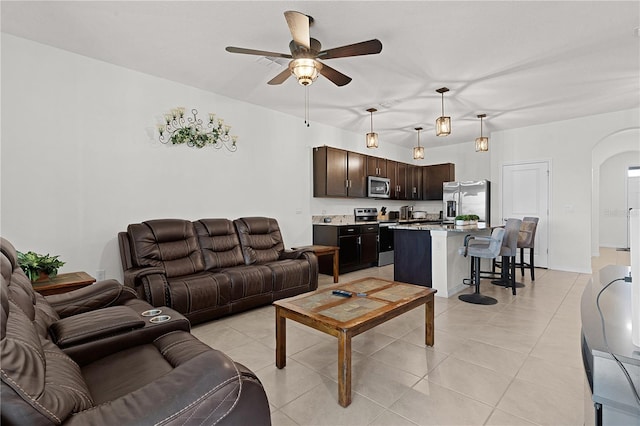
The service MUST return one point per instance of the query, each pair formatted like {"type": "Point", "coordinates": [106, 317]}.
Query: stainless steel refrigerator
{"type": "Point", "coordinates": [468, 197]}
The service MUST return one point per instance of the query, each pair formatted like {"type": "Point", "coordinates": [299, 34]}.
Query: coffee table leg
{"type": "Point", "coordinates": [336, 265]}
{"type": "Point", "coordinates": [281, 339]}
{"type": "Point", "coordinates": [344, 369]}
{"type": "Point", "coordinates": [428, 322]}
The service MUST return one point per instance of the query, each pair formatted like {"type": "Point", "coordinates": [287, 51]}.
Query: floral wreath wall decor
{"type": "Point", "coordinates": [192, 131]}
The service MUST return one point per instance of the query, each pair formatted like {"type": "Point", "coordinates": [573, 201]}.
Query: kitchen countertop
{"type": "Point", "coordinates": [438, 227]}
{"type": "Point", "coordinates": [375, 222]}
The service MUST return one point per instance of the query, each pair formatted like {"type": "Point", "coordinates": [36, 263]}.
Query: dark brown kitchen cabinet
{"type": "Point", "coordinates": [338, 173]}
{"type": "Point", "coordinates": [358, 246]}
{"type": "Point", "coordinates": [397, 174]}
{"type": "Point", "coordinates": [376, 166]}
{"type": "Point", "coordinates": [433, 177]}
{"type": "Point", "coordinates": [414, 183]}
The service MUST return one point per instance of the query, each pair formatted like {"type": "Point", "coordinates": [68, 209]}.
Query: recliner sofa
{"type": "Point", "coordinates": [89, 357]}
{"type": "Point", "coordinates": [213, 267]}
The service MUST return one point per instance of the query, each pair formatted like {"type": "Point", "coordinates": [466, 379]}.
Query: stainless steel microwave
{"type": "Point", "coordinates": [378, 187]}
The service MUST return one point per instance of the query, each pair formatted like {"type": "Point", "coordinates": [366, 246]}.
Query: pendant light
{"type": "Point", "coordinates": [372, 138]}
{"type": "Point", "coordinates": [482, 143]}
{"type": "Point", "coordinates": [418, 151]}
{"type": "Point", "coordinates": [443, 124]}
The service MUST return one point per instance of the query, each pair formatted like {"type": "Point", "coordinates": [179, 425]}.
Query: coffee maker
{"type": "Point", "coordinates": [406, 212]}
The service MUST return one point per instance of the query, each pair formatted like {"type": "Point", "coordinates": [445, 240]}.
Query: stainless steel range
{"type": "Point", "coordinates": [385, 235]}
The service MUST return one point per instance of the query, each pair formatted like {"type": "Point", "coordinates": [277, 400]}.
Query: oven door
{"type": "Point", "coordinates": [378, 187]}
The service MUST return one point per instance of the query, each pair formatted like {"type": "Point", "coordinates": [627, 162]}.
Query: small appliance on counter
{"type": "Point", "coordinates": [419, 215]}
{"type": "Point", "coordinates": [406, 212]}
{"type": "Point", "coordinates": [394, 215]}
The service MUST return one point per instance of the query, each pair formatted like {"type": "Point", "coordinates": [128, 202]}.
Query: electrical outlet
{"type": "Point", "coordinates": [100, 275]}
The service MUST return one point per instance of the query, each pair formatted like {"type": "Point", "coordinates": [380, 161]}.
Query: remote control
{"type": "Point", "coordinates": [341, 293]}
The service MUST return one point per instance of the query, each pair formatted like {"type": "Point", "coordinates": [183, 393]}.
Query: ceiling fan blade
{"type": "Point", "coordinates": [299, 26]}
{"type": "Point", "coordinates": [257, 52]}
{"type": "Point", "coordinates": [335, 76]}
{"type": "Point", "coordinates": [370, 47]}
{"type": "Point", "coordinates": [280, 78]}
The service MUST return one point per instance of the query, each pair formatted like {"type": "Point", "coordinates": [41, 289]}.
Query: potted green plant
{"type": "Point", "coordinates": [39, 267]}
{"type": "Point", "coordinates": [467, 219]}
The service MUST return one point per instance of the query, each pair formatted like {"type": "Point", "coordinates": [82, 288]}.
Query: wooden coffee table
{"type": "Point", "coordinates": [347, 317]}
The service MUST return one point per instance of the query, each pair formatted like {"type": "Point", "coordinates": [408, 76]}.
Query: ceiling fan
{"type": "Point", "coordinates": [306, 52]}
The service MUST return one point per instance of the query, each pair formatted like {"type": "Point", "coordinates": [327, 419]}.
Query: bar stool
{"type": "Point", "coordinates": [526, 240]}
{"type": "Point", "coordinates": [508, 253]}
{"type": "Point", "coordinates": [481, 248]}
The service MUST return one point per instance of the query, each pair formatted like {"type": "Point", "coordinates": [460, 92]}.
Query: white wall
{"type": "Point", "coordinates": [80, 158]}
{"type": "Point", "coordinates": [569, 145]}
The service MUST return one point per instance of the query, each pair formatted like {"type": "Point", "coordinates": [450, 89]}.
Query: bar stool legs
{"type": "Point", "coordinates": [476, 297]}
{"type": "Point", "coordinates": [527, 265]}
{"type": "Point", "coordinates": [508, 274]}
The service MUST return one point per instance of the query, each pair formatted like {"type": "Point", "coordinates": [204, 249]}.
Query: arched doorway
{"type": "Point", "coordinates": [608, 148]}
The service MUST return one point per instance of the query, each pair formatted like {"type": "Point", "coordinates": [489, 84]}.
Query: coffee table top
{"type": "Point", "coordinates": [382, 297]}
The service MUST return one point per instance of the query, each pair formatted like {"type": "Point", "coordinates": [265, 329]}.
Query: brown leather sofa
{"type": "Point", "coordinates": [213, 267]}
{"type": "Point", "coordinates": [89, 357]}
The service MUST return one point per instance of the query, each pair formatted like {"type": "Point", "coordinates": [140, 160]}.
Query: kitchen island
{"type": "Point", "coordinates": [427, 255]}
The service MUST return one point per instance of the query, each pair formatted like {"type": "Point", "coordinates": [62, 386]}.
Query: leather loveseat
{"type": "Point", "coordinates": [89, 357]}
{"type": "Point", "coordinates": [213, 267]}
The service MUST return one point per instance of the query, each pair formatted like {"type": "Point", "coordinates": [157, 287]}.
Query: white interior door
{"type": "Point", "coordinates": [525, 192]}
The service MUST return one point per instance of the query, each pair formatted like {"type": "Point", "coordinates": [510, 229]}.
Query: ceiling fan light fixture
{"type": "Point", "coordinates": [418, 151]}
{"type": "Point", "coordinates": [443, 123]}
{"type": "Point", "coordinates": [371, 137]}
{"type": "Point", "coordinates": [482, 143]}
{"type": "Point", "coordinates": [305, 70]}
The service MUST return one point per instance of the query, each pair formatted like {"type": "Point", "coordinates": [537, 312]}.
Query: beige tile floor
{"type": "Point", "coordinates": [514, 363]}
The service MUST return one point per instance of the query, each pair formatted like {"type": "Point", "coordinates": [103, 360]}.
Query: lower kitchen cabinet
{"type": "Point", "coordinates": [358, 246]}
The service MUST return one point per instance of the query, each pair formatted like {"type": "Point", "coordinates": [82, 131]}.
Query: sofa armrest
{"type": "Point", "coordinates": [294, 254]}
{"type": "Point", "coordinates": [198, 391]}
{"type": "Point", "coordinates": [98, 295]}
{"type": "Point", "coordinates": [133, 276]}
{"type": "Point", "coordinates": [154, 288]}
{"type": "Point", "coordinates": [94, 325]}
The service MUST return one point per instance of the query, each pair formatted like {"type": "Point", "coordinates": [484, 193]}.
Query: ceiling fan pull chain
{"type": "Point", "coordinates": [306, 105]}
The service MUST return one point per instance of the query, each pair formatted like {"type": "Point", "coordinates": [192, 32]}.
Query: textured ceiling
{"type": "Point", "coordinates": [521, 63]}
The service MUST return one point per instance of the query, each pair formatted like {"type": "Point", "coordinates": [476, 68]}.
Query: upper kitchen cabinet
{"type": "Point", "coordinates": [397, 174]}
{"type": "Point", "coordinates": [376, 166]}
{"type": "Point", "coordinates": [338, 173]}
{"type": "Point", "coordinates": [433, 177]}
{"type": "Point", "coordinates": [414, 183]}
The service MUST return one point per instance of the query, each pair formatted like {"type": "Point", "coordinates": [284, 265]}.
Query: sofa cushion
{"type": "Point", "coordinates": [171, 244]}
{"type": "Point", "coordinates": [219, 243]}
{"type": "Point", "coordinates": [196, 292]}
{"type": "Point", "coordinates": [249, 280]}
{"type": "Point", "coordinates": [260, 239]}
{"type": "Point", "coordinates": [290, 273]}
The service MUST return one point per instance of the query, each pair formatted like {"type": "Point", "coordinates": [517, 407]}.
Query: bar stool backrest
{"type": "Point", "coordinates": [510, 241]}
{"type": "Point", "coordinates": [527, 234]}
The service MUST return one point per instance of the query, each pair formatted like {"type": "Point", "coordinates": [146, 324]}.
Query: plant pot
{"type": "Point", "coordinates": [42, 276]}
{"type": "Point", "coordinates": [466, 222]}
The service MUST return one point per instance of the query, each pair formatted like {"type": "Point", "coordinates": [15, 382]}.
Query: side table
{"type": "Point", "coordinates": [326, 250]}
{"type": "Point", "coordinates": [63, 283]}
